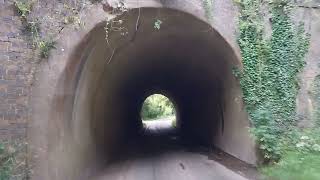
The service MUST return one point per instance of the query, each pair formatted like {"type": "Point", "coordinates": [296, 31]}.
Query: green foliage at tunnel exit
{"type": "Point", "coordinates": [270, 69]}
{"type": "Point", "coordinates": [157, 106]}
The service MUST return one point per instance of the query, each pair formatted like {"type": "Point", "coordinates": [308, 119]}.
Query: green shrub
{"type": "Point", "coordinates": [267, 134]}
{"type": "Point", "coordinates": [300, 160]}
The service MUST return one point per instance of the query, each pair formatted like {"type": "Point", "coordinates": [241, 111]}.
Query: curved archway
{"type": "Point", "coordinates": [98, 98]}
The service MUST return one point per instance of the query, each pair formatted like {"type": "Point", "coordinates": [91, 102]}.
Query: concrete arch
{"type": "Point", "coordinates": [95, 104]}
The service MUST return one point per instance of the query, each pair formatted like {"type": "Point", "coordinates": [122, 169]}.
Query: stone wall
{"type": "Point", "coordinates": [15, 74]}
{"type": "Point", "coordinates": [309, 13]}
{"type": "Point", "coordinates": [19, 60]}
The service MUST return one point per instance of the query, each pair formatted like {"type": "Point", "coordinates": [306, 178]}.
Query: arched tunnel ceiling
{"type": "Point", "coordinates": [106, 80]}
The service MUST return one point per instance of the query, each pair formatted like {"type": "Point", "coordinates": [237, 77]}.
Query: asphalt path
{"type": "Point", "coordinates": [173, 163]}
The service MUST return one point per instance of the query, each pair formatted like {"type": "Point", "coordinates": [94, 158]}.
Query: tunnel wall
{"type": "Point", "coordinates": [79, 95]}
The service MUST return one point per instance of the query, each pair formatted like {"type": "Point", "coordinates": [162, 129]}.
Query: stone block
{"type": "Point", "coordinates": [7, 9]}
{"type": "Point", "coordinates": [14, 56]}
{"type": "Point", "coordinates": [21, 103]}
{"type": "Point", "coordinates": [4, 38]}
{"type": "Point", "coordinates": [10, 76]}
{"type": "Point", "coordinates": [4, 133]}
{"type": "Point", "coordinates": [6, 19]}
{"type": "Point", "coordinates": [2, 73]}
{"type": "Point", "coordinates": [3, 58]}
{"type": "Point", "coordinates": [3, 87]}
{"type": "Point", "coordinates": [5, 29]}
{"type": "Point", "coordinates": [11, 100]}
{"type": "Point", "coordinates": [4, 46]}
{"type": "Point", "coordinates": [309, 3]}
{"type": "Point", "coordinates": [10, 116]}
{"type": "Point", "coordinates": [13, 34]}
{"type": "Point", "coordinates": [3, 95]}
{"type": "Point", "coordinates": [18, 45]}
{"type": "Point", "coordinates": [3, 123]}
{"type": "Point", "coordinates": [4, 107]}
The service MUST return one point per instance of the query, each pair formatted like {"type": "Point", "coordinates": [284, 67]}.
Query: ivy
{"type": "Point", "coordinates": [270, 67]}
{"type": "Point", "coordinates": [316, 97]}
{"type": "Point", "coordinates": [208, 8]}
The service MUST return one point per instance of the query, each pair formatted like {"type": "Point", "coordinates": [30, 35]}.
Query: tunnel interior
{"type": "Point", "coordinates": [185, 59]}
{"type": "Point", "coordinates": [187, 67]}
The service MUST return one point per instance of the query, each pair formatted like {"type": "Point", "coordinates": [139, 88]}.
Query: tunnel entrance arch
{"type": "Point", "coordinates": [100, 91]}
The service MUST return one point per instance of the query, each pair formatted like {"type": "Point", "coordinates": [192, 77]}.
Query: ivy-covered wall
{"type": "Point", "coordinates": [273, 63]}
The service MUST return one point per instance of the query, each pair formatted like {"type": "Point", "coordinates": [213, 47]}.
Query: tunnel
{"type": "Point", "coordinates": [120, 62]}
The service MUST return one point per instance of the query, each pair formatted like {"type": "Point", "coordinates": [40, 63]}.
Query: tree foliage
{"type": "Point", "coordinates": [157, 106]}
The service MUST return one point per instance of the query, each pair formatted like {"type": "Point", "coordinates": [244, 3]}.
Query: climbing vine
{"type": "Point", "coordinates": [316, 97]}
{"type": "Point", "coordinates": [270, 68]}
{"type": "Point", "coordinates": [208, 8]}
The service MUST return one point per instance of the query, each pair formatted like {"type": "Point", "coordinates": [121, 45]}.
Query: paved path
{"type": "Point", "coordinates": [159, 156]}
{"type": "Point", "coordinates": [170, 166]}
{"type": "Point", "coordinates": [159, 125]}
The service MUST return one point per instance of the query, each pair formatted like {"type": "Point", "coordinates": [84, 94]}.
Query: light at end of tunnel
{"type": "Point", "coordinates": [158, 110]}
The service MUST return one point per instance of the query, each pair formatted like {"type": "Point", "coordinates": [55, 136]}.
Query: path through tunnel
{"type": "Point", "coordinates": [109, 78]}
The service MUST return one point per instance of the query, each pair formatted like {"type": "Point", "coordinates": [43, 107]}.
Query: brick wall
{"type": "Point", "coordinates": [15, 73]}
{"type": "Point", "coordinates": [18, 60]}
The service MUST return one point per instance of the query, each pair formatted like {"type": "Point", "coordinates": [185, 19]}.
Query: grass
{"type": "Point", "coordinates": [13, 160]}
{"type": "Point", "coordinates": [45, 46]}
{"type": "Point", "coordinates": [6, 160]}
{"type": "Point", "coordinates": [295, 165]}
{"type": "Point", "coordinates": [301, 159]}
